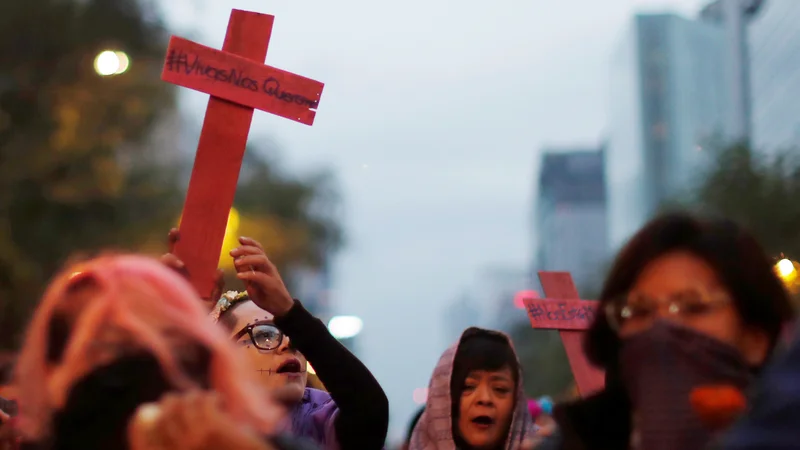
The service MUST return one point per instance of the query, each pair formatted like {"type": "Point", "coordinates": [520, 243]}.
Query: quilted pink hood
{"type": "Point", "coordinates": [434, 429]}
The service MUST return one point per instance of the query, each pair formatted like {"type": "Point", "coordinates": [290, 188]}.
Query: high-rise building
{"type": "Point", "coordinates": [571, 214]}
{"type": "Point", "coordinates": [734, 17]}
{"type": "Point", "coordinates": [669, 98]}
{"type": "Point", "coordinates": [774, 49]}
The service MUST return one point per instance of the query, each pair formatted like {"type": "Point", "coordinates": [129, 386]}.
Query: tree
{"type": "Point", "coordinates": [64, 132]}
{"type": "Point", "coordinates": [295, 218]}
{"type": "Point", "coordinates": [757, 190]}
{"type": "Point", "coordinates": [81, 165]}
{"type": "Point", "coordinates": [543, 361]}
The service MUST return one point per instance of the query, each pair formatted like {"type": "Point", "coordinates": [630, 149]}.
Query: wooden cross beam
{"type": "Point", "coordinates": [564, 311]}
{"type": "Point", "coordinates": [238, 82]}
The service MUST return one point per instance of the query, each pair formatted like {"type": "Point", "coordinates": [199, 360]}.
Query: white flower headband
{"type": "Point", "coordinates": [225, 302]}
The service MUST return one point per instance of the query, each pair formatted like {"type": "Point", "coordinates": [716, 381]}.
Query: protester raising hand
{"type": "Point", "coordinates": [264, 284]}
{"type": "Point", "coordinates": [282, 340]}
{"type": "Point", "coordinates": [173, 262]}
{"type": "Point", "coordinates": [190, 421]}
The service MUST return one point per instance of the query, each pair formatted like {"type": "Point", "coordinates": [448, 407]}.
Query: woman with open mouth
{"type": "Point", "coordinates": [475, 398]}
{"type": "Point", "coordinates": [281, 338]}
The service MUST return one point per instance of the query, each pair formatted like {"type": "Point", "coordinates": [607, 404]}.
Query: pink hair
{"type": "Point", "coordinates": [133, 300]}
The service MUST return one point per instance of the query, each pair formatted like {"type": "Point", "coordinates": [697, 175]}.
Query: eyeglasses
{"type": "Point", "coordinates": [637, 310]}
{"type": "Point", "coordinates": [264, 336]}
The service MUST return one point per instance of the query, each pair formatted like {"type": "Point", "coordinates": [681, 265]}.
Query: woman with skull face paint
{"type": "Point", "coordinates": [280, 338]}
{"type": "Point", "coordinates": [475, 398]}
{"type": "Point", "coordinates": [688, 305]}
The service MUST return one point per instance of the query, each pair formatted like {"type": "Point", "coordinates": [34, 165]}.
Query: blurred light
{"type": "Point", "coordinates": [310, 369]}
{"type": "Point", "coordinates": [420, 396]}
{"type": "Point", "coordinates": [345, 327]}
{"type": "Point", "coordinates": [785, 268]}
{"type": "Point", "coordinates": [522, 295]}
{"type": "Point", "coordinates": [546, 403]}
{"type": "Point", "coordinates": [124, 62]}
{"type": "Point", "coordinates": [230, 241]}
{"type": "Point", "coordinates": [787, 271]}
{"type": "Point", "coordinates": [110, 62]}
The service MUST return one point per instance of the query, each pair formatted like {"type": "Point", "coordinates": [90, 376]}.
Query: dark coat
{"type": "Point", "coordinates": [599, 422]}
{"type": "Point", "coordinates": [773, 419]}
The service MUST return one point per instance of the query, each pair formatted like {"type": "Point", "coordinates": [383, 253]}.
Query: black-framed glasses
{"type": "Point", "coordinates": [638, 310]}
{"type": "Point", "coordinates": [263, 335]}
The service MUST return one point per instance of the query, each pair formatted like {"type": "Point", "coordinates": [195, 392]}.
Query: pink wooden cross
{"type": "Point", "coordinates": [564, 311]}
{"type": "Point", "coordinates": [238, 82]}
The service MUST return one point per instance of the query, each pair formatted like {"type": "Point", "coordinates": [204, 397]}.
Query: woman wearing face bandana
{"type": "Point", "coordinates": [688, 305]}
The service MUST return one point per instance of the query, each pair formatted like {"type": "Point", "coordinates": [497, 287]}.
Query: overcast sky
{"type": "Point", "coordinates": [432, 116]}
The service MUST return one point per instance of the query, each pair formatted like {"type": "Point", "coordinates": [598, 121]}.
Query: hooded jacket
{"type": "Point", "coordinates": [434, 431]}
{"type": "Point", "coordinates": [774, 412]}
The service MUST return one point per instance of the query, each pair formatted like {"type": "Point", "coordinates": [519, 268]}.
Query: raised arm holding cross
{"type": "Point", "coordinates": [238, 82]}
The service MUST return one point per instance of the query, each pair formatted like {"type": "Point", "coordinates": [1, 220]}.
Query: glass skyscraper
{"type": "Point", "coordinates": [570, 215]}
{"type": "Point", "coordinates": [774, 48]}
{"type": "Point", "coordinates": [669, 98]}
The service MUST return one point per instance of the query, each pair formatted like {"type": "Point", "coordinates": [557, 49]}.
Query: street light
{"type": "Point", "coordinates": [787, 271]}
{"type": "Point", "coordinates": [420, 396]}
{"type": "Point", "coordinates": [785, 267]}
{"type": "Point", "coordinates": [519, 298]}
{"type": "Point", "coordinates": [345, 327]}
{"type": "Point", "coordinates": [110, 62]}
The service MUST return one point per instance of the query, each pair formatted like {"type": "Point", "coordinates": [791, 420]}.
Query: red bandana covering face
{"type": "Point", "coordinates": [662, 368]}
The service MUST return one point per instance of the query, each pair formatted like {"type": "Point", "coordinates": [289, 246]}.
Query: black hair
{"type": "Point", "coordinates": [738, 259]}
{"type": "Point", "coordinates": [100, 405]}
{"type": "Point", "coordinates": [480, 350]}
{"type": "Point", "coordinates": [62, 321]}
{"type": "Point", "coordinates": [413, 424]}
{"type": "Point", "coordinates": [6, 371]}
{"type": "Point", "coordinates": [58, 333]}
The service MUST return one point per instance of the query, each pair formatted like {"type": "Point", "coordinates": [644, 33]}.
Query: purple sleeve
{"type": "Point", "coordinates": [314, 418]}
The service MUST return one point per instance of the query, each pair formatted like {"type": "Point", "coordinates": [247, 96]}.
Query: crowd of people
{"type": "Point", "coordinates": [694, 334]}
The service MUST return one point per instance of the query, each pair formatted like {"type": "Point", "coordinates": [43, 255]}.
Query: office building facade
{"type": "Point", "coordinates": [570, 215]}
{"type": "Point", "coordinates": [669, 100]}
{"type": "Point", "coordinates": [774, 56]}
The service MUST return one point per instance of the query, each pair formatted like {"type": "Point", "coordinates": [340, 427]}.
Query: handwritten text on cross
{"type": "Point", "coordinates": [241, 81]}
{"type": "Point", "coordinates": [560, 314]}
